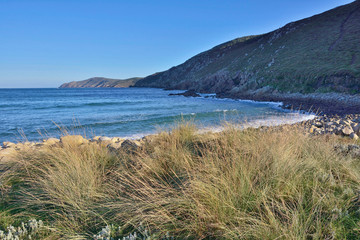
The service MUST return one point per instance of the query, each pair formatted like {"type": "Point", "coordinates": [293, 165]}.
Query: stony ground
{"type": "Point", "coordinates": [9, 148]}
{"type": "Point", "coordinates": [348, 126]}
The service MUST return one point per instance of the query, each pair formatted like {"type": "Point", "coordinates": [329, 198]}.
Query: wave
{"type": "Point", "coordinates": [91, 104]}
{"type": "Point", "coordinates": [226, 110]}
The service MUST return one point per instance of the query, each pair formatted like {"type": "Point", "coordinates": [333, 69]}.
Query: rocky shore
{"type": "Point", "coordinates": [319, 103]}
{"type": "Point", "coordinates": [331, 104]}
{"type": "Point", "coordinates": [188, 93]}
{"type": "Point", "coordinates": [347, 126]}
{"type": "Point", "coordinates": [115, 143]}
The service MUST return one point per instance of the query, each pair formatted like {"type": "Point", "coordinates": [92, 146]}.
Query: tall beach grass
{"type": "Point", "coordinates": [236, 184]}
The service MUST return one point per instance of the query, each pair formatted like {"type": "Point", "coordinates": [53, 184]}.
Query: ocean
{"type": "Point", "coordinates": [35, 114]}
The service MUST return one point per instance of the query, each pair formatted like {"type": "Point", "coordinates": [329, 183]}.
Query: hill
{"type": "Point", "coordinates": [319, 54]}
{"type": "Point", "coordinates": [100, 82]}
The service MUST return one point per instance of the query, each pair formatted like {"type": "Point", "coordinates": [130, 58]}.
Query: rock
{"type": "Point", "coordinates": [350, 149]}
{"type": "Point", "coordinates": [188, 93]}
{"type": "Point", "coordinates": [114, 146]}
{"type": "Point", "coordinates": [6, 153]}
{"type": "Point", "coordinates": [347, 130]}
{"type": "Point", "coordinates": [73, 140]}
{"type": "Point", "coordinates": [318, 124]}
{"type": "Point", "coordinates": [354, 136]}
{"type": "Point", "coordinates": [329, 124]}
{"type": "Point", "coordinates": [149, 138]}
{"type": "Point", "coordinates": [51, 141]}
{"type": "Point", "coordinates": [95, 139]}
{"type": "Point", "coordinates": [117, 140]}
{"type": "Point", "coordinates": [30, 144]}
{"type": "Point", "coordinates": [344, 122]}
{"type": "Point", "coordinates": [9, 145]}
{"type": "Point", "coordinates": [104, 139]}
{"type": "Point", "coordinates": [130, 145]}
{"type": "Point", "coordinates": [356, 127]}
{"type": "Point", "coordinates": [21, 146]}
{"type": "Point", "coordinates": [38, 145]}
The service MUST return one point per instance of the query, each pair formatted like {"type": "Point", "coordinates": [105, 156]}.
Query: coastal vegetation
{"type": "Point", "coordinates": [319, 54]}
{"type": "Point", "coordinates": [266, 183]}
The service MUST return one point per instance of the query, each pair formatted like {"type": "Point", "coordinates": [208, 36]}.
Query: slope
{"type": "Point", "coordinates": [314, 55]}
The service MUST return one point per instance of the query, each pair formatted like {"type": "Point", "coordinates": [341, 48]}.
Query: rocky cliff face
{"type": "Point", "coordinates": [100, 82]}
{"type": "Point", "coordinates": [317, 54]}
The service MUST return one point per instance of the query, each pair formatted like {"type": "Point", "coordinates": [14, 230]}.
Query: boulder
{"type": "Point", "coordinates": [347, 130]}
{"type": "Point", "coordinates": [117, 140]}
{"type": "Point", "coordinates": [345, 122]}
{"type": "Point", "coordinates": [51, 141]}
{"type": "Point", "coordinates": [29, 144]}
{"type": "Point", "coordinates": [338, 130]}
{"type": "Point", "coordinates": [318, 124]}
{"type": "Point", "coordinates": [149, 138]}
{"type": "Point", "coordinates": [130, 145]}
{"type": "Point", "coordinates": [356, 127]}
{"type": "Point", "coordinates": [39, 145]}
{"type": "Point", "coordinates": [188, 93]}
{"type": "Point", "coordinates": [354, 136]}
{"type": "Point", "coordinates": [330, 123]}
{"type": "Point", "coordinates": [21, 146]}
{"type": "Point", "coordinates": [73, 140]}
{"type": "Point", "coordinates": [104, 139]}
{"type": "Point", "coordinates": [95, 139]}
{"type": "Point", "coordinates": [6, 153]}
{"type": "Point", "coordinates": [9, 145]}
{"type": "Point", "coordinates": [114, 146]}
{"type": "Point", "coordinates": [350, 149]}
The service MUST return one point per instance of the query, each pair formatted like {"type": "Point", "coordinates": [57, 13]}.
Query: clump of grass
{"type": "Point", "coordinates": [237, 184]}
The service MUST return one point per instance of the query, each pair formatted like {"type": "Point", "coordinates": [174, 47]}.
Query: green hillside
{"type": "Point", "coordinates": [316, 54]}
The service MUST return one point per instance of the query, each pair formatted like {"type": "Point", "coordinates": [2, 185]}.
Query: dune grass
{"type": "Point", "coordinates": [249, 184]}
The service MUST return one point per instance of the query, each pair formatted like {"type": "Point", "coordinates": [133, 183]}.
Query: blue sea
{"type": "Point", "coordinates": [35, 114]}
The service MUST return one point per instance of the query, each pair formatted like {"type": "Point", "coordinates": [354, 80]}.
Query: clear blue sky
{"type": "Point", "coordinates": [45, 43]}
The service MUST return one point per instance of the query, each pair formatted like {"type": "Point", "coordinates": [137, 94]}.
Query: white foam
{"type": "Point", "coordinates": [274, 104]}
{"type": "Point", "coordinates": [290, 118]}
{"type": "Point", "coordinates": [213, 96]}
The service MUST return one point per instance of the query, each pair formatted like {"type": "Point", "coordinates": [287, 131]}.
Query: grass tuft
{"type": "Point", "coordinates": [237, 184]}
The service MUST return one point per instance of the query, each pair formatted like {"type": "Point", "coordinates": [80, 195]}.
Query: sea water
{"type": "Point", "coordinates": [35, 114]}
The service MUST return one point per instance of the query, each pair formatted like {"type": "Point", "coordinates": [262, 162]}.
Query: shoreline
{"type": "Point", "coordinates": [291, 117]}
{"type": "Point", "coordinates": [327, 105]}
{"type": "Point", "coordinates": [348, 126]}
{"type": "Point", "coordinates": [318, 103]}
{"type": "Point", "coordinates": [331, 103]}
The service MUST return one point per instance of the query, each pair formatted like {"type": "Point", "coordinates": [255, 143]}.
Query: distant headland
{"type": "Point", "coordinates": [101, 82]}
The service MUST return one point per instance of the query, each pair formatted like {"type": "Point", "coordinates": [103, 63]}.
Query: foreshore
{"type": "Point", "coordinates": [346, 126]}
{"type": "Point", "coordinates": [319, 103]}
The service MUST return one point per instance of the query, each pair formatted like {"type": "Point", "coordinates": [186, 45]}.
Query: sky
{"type": "Point", "coordinates": [46, 43]}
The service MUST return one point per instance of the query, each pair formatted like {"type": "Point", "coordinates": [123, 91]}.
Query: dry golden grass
{"type": "Point", "coordinates": [250, 184]}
